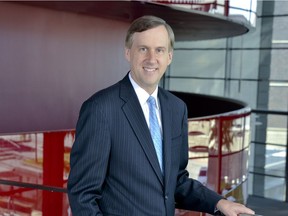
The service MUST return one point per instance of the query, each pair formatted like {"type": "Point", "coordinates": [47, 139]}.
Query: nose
{"type": "Point", "coordinates": [151, 56]}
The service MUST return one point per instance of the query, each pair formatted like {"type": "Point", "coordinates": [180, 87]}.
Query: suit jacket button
{"type": "Point", "coordinates": [166, 197]}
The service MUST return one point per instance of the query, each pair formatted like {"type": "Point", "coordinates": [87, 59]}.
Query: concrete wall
{"type": "Point", "coordinates": [50, 62]}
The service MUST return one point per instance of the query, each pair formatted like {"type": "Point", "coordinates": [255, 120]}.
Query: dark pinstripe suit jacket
{"type": "Point", "coordinates": [114, 167]}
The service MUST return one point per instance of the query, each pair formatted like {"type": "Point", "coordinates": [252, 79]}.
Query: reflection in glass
{"type": "Point", "coordinates": [218, 154]}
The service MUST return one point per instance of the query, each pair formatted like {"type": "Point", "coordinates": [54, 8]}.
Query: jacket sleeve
{"type": "Point", "coordinates": [191, 194]}
{"type": "Point", "coordinates": [88, 160]}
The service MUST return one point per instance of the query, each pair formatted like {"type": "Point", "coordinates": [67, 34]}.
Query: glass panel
{"type": "Point", "coordinates": [204, 138]}
{"type": "Point", "coordinates": [252, 38]}
{"type": "Point", "coordinates": [247, 131]}
{"type": "Point", "coordinates": [199, 138]}
{"type": "Point", "coordinates": [234, 176]}
{"type": "Point", "coordinates": [27, 201]}
{"type": "Point", "coordinates": [278, 96]}
{"type": "Point", "coordinates": [190, 63]}
{"type": "Point", "coordinates": [279, 64]}
{"type": "Point", "coordinates": [22, 158]}
{"type": "Point", "coordinates": [248, 10]}
{"type": "Point", "coordinates": [275, 188]}
{"type": "Point", "coordinates": [280, 7]}
{"type": "Point", "coordinates": [210, 87]}
{"type": "Point", "coordinates": [235, 155]}
{"type": "Point", "coordinates": [277, 130]}
{"type": "Point", "coordinates": [244, 64]}
{"type": "Point", "coordinates": [233, 135]}
{"type": "Point", "coordinates": [205, 44]}
{"type": "Point", "coordinates": [275, 160]}
{"type": "Point", "coordinates": [280, 31]}
{"type": "Point", "coordinates": [244, 91]}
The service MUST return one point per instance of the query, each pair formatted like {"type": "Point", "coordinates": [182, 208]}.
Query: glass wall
{"type": "Point", "coordinates": [251, 68]}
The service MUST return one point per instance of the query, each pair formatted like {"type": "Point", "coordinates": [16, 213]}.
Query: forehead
{"type": "Point", "coordinates": [157, 37]}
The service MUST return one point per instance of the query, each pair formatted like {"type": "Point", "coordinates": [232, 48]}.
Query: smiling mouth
{"type": "Point", "coordinates": [150, 69]}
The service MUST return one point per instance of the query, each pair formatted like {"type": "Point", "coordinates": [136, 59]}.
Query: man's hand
{"type": "Point", "coordinates": [229, 208]}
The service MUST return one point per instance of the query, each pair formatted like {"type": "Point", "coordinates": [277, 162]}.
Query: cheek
{"type": "Point", "coordinates": [166, 61]}
{"type": "Point", "coordinates": [137, 60]}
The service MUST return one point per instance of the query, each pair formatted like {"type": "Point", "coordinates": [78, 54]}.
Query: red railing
{"type": "Point", "coordinates": [200, 5]}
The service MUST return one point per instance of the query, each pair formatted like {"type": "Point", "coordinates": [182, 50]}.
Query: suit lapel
{"type": "Point", "coordinates": [133, 111]}
{"type": "Point", "coordinates": [166, 117]}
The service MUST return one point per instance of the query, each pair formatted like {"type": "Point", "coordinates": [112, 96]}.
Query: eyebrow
{"type": "Point", "coordinates": [159, 47]}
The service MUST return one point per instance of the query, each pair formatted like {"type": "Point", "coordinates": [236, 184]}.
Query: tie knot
{"type": "Point", "coordinates": [151, 101]}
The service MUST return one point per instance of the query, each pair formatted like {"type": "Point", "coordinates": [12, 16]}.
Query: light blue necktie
{"type": "Point", "coordinates": [155, 130]}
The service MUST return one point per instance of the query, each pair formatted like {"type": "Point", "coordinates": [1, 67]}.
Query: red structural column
{"type": "Point", "coordinates": [220, 143]}
{"type": "Point", "coordinates": [226, 8]}
{"type": "Point", "coordinates": [53, 165]}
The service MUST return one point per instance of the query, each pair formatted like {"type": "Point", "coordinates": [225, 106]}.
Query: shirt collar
{"type": "Point", "coordinates": [142, 94]}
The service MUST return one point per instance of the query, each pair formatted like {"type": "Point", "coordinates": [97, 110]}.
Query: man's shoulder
{"type": "Point", "coordinates": [104, 96]}
{"type": "Point", "coordinates": [109, 92]}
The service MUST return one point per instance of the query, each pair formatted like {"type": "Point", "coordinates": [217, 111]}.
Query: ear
{"type": "Point", "coordinates": [170, 57]}
{"type": "Point", "coordinates": [127, 54]}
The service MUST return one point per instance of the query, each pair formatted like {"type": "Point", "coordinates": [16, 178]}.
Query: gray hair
{"type": "Point", "coordinates": [145, 23]}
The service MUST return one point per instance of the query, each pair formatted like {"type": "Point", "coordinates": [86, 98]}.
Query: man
{"type": "Point", "coordinates": [115, 167]}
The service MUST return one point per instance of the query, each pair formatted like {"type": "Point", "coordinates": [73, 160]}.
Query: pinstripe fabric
{"type": "Point", "coordinates": [114, 166]}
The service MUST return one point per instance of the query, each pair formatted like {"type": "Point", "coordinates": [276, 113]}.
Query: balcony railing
{"type": "Point", "coordinates": [234, 9]}
{"type": "Point", "coordinates": [219, 140]}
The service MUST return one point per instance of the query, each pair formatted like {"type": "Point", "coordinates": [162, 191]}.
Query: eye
{"type": "Point", "coordinates": [160, 50]}
{"type": "Point", "coordinates": [143, 49]}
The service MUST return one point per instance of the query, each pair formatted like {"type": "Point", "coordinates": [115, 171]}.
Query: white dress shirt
{"type": "Point", "coordinates": [143, 97]}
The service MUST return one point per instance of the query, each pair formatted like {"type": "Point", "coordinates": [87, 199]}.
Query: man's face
{"type": "Point", "coordinates": [149, 57]}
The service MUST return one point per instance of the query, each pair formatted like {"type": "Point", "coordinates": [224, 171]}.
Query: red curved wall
{"type": "Point", "coordinates": [49, 57]}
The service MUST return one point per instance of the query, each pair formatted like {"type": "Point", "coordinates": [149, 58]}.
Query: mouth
{"type": "Point", "coordinates": [150, 70]}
